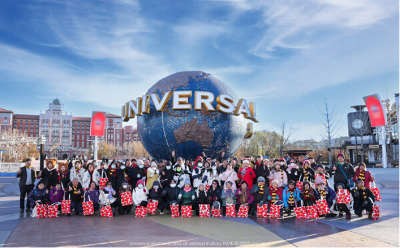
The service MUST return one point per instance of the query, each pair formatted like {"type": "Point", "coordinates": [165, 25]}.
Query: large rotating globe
{"type": "Point", "coordinates": [191, 132]}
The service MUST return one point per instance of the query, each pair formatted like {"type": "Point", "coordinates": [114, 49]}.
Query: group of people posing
{"type": "Point", "coordinates": [246, 181]}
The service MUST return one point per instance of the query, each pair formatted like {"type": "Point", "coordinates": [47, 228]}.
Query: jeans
{"type": "Point", "coordinates": [25, 190]}
{"type": "Point", "coordinates": [77, 206]}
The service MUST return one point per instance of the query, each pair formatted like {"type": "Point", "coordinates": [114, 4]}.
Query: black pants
{"type": "Point", "coordinates": [143, 204]}
{"type": "Point", "coordinates": [124, 209]}
{"type": "Point", "coordinates": [368, 207]}
{"type": "Point", "coordinates": [25, 190]}
{"type": "Point", "coordinates": [342, 207]}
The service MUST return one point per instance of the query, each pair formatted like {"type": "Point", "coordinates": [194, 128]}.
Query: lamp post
{"type": "Point", "coordinates": [42, 141]}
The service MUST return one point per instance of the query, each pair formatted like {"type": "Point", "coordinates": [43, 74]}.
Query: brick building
{"type": "Point", "coordinates": [65, 135]}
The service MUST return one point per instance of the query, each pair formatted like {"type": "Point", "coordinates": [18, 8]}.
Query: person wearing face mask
{"type": "Point", "coordinates": [167, 174]}
{"type": "Point", "coordinates": [261, 169]}
{"type": "Point", "coordinates": [77, 172]}
{"type": "Point", "coordinates": [112, 174]}
{"type": "Point", "coordinates": [247, 174]}
{"type": "Point", "coordinates": [293, 171]}
{"type": "Point", "coordinates": [91, 175]}
{"type": "Point", "coordinates": [138, 173]}
{"type": "Point", "coordinates": [214, 174]}
{"type": "Point", "coordinates": [229, 175]}
{"type": "Point", "coordinates": [180, 177]}
{"type": "Point", "coordinates": [155, 193]}
{"type": "Point", "coordinates": [279, 175]}
{"type": "Point", "coordinates": [197, 172]}
{"type": "Point", "coordinates": [139, 194]}
{"type": "Point", "coordinates": [122, 174]}
{"type": "Point", "coordinates": [125, 187]}
{"type": "Point", "coordinates": [63, 174]}
{"type": "Point", "coordinates": [282, 161]}
{"type": "Point", "coordinates": [108, 197]}
{"type": "Point", "coordinates": [153, 174]}
{"type": "Point", "coordinates": [102, 172]}
{"type": "Point", "coordinates": [170, 193]}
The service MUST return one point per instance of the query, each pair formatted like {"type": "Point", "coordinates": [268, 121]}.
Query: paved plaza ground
{"type": "Point", "coordinates": [21, 230]}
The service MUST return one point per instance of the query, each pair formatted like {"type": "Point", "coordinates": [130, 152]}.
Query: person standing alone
{"type": "Point", "coordinates": [27, 176]}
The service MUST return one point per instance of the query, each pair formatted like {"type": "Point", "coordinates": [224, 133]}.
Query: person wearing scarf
{"type": "Point", "coordinates": [228, 196]}
{"type": "Point", "coordinates": [279, 175]}
{"type": "Point", "coordinates": [291, 197]}
{"type": "Point", "coordinates": [308, 195]}
{"type": "Point", "coordinates": [125, 187]}
{"type": "Point", "coordinates": [77, 172]}
{"type": "Point", "coordinates": [325, 193]}
{"type": "Point", "coordinates": [74, 193]}
{"type": "Point", "coordinates": [363, 199]}
{"type": "Point", "coordinates": [91, 175]}
{"type": "Point", "coordinates": [155, 193]}
{"type": "Point", "coordinates": [320, 172]}
{"type": "Point", "coordinates": [243, 197]}
{"type": "Point", "coordinates": [363, 174]}
{"type": "Point", "coordinates": [108, 197]}
{"type": "Point", "coordinates": [260, 191]}
{"type": "Point", "coordinates": [307, 173]}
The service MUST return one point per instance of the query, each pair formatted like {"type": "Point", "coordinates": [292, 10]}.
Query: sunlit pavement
{"type": "Point", "coordinates": [21, 230]}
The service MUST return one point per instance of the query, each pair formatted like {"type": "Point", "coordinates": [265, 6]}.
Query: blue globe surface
{"type": "Point", "coordinates": [190, 132]}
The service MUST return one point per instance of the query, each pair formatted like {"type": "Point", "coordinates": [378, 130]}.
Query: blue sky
{"type": "Point", "coordinates": [286, 56]}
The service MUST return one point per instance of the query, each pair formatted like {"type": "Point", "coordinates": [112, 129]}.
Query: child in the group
{"type": "Point", "coordinates": [155, 193]}
{"type": "Point", "coordinates": [291, 197]}
{"type": "Point", "coordinates": [325, 193]}
{"type": "Point", "coordinates": [339, 208]}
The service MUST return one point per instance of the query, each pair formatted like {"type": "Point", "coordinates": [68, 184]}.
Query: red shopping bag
{"type": "Point", "coordinates": [41, 211]}
{"type": "Point", "coordinates": [299, 184]}
{"type": "Point", "coordinates": [376, 192]}
{"type": "Point", "coordinates": [301, 213]}
{"type": "Point", "coordinates": [322, 207]}
{"type": "Point", "coordinates": [186, 211]}
{"type": "Point", "coordinates": [126, 199]}
{"type": "Point", "coordinates": [174, 210]}
{"type": "Point", "coordinates": [243, 212]}
{"type": "Point", "coordinates": [275, 211]}
{"type": "Point", "coordinates": [262, 211]}
{"type": "Point", "coordinates": [140, 211]}
{"type": "Point", "coordinates": [204, 210]}
{"type": "Point", "coordinates": [312, 212]}
{"type": "Point", "coordinates": [65, 204]}
{"type": "Point", "coordinates": [106, 212]}
{"type": "Point", "coordinates": [87, 207]}
{"type": "Point", "coordinates": [230, 210]}
{"type": "Point", "coordinates": [52, 211]}
{"type": "Point", "coordinates": [216, 212]}
{"type": "Point", "coordinates": [207, 187]}
{"type": "Point", "coordinates": [102, 183]}
{"type": "Point", "coordinates": [152, 206]}
{"type": "Point", "coordinates": [343, 196]}
{"type": "Point", "coordinates": [375, 213]}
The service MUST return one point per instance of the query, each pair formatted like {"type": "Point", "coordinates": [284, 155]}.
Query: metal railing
{"type": "Point", "coordinates": [10, 167]}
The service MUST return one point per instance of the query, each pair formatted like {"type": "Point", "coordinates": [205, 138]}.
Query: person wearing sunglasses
{"type": "Point", "coordinates": [214, 195]}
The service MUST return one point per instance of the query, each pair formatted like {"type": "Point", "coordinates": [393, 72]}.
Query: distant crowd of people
{"type": "Point", "coordinates": [245, 181]}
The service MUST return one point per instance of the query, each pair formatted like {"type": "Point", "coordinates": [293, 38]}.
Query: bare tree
{"type": "Point", "coordinates": [284, 134]}
{"type": "Point", "coordinates": [329, 126]}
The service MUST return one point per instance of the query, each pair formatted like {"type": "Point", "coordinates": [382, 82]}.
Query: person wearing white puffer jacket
{"type": "Point", "coordinates": [139, 194]}
{"type": "Point", "coordinates": [153, 174]}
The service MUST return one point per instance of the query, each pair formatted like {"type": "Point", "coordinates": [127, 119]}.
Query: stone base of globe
{"type": "Point", "coordinates": [190, 132]}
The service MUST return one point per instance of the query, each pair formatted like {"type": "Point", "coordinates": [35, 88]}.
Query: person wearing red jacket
{"type": "Point", "coordinates": [247, 174]}
{"type": "Point", "coordinates": [363, 174]}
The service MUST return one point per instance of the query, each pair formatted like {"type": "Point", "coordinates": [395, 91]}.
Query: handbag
{"type": "Point", "coordinates": [350, 182]}
{"type": "Point", "coordinates": [87, 206]}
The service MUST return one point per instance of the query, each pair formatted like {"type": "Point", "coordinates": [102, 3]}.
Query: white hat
{"type": "Point", "coordinates": [245, 162]}
{"type": "Point", "coordinates": [139, 162]}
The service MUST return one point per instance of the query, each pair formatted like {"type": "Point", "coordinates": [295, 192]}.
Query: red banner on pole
{"type": "Point", "coordinates": [375, 110]}
{"type": "Point", "coordinates": [97, 124]}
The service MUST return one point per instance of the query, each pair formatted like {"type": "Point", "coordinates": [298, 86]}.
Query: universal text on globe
{"type": "Point", "coordinates": [180, 101]}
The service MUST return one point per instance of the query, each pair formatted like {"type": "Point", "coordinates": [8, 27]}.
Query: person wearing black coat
{"type": "Point", "coordinates": [74, 193]}
{"type": "Point", "coordinates": [27, 177]}
{"type": "Point", "coordinates": [138, 173]}
{"type": "Point", "coordinates": [214, 195]}
{"type": "Point", "coordinates": [170, 194]}
{"type": "Point", "coordinates": [260, 191]}
{"type": "Point", "coordinates": [49, 174]}
{"type": "Point", "coordinates": [201, 198]}
{"type": "Point", "coordinates": [363, 199]}
{"type": "Point", "coordinates": [307, 173]}
{"type": "Point", "coordinates": [261, 169]}
{"type": "Point", "coordinates": [123, 209]}
{"type": "Point", "coordinates": [102, 172]}
{"type": "Point", "coordinates": [155, 193]}
{"type": "Point", "coordinates": [341, 167]}
{"type": "Point", "coordinates": [167, 174]}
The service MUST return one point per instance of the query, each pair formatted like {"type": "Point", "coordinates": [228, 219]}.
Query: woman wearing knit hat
{"type": "Point", "coordinates": [291, 197]}
{"type": "Point", "coordinates": [343, 172]}
{"type": "Point", "coordinates": [246, 173]}
{"type": "Point", "coordinates": [260, 191]}
{"type": "Point", "coordinates": [153, 174]}
{"type": "Point", "coordinates": [279, 175]}
{"type": "Point", "coordinates": [139, 194]}
{"type": "Point", "coordinates": [186, 196]}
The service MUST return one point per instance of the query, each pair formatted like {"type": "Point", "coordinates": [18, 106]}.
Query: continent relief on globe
{"type": "Point", "coordinates": [193, 131]}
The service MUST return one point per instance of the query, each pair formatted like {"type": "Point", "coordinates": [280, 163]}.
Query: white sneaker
{"type": "Point", "coordinates": [161, 212]}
